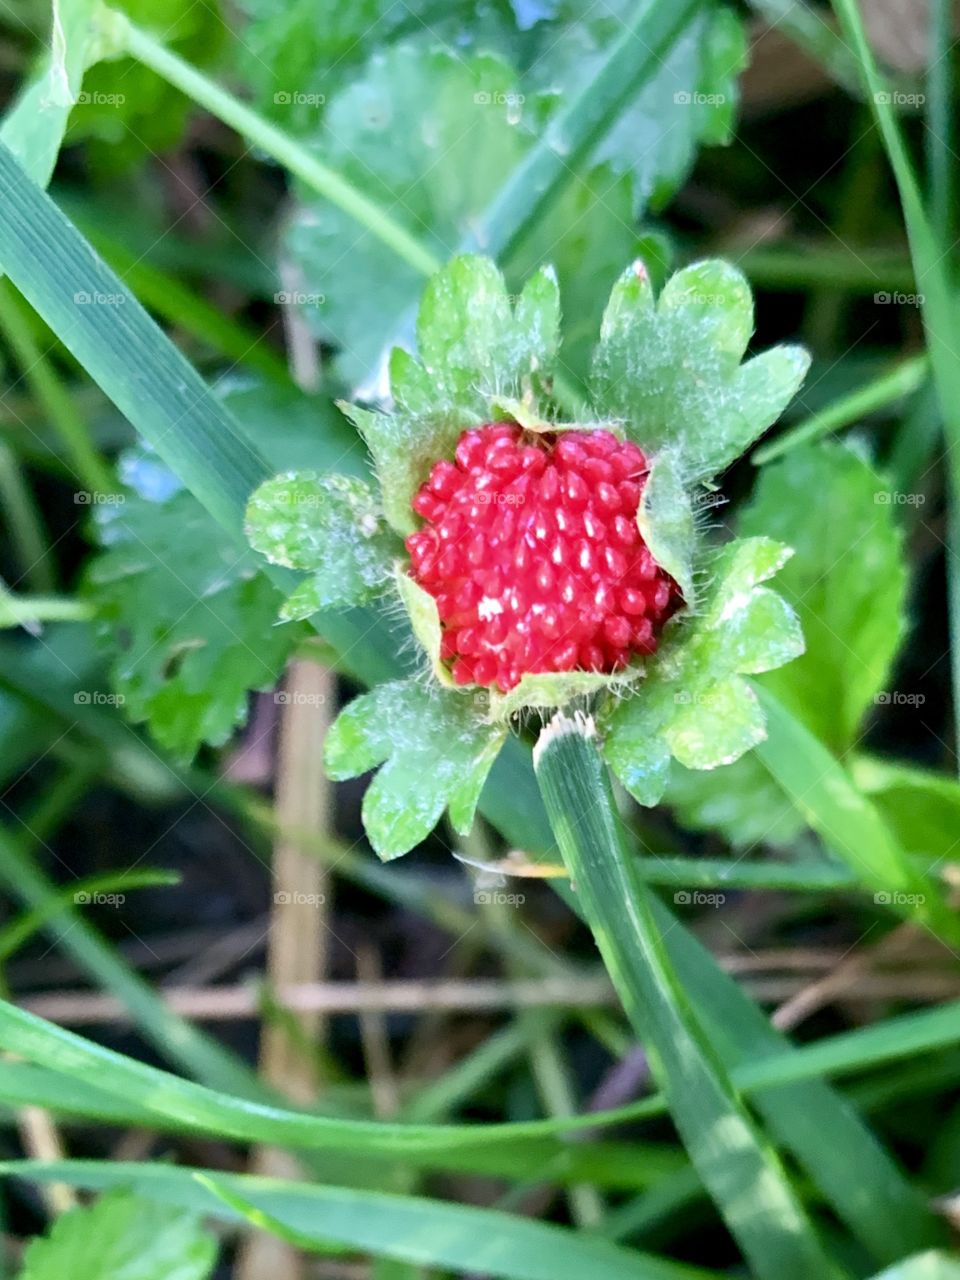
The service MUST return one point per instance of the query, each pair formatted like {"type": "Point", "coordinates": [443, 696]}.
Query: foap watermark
{"type": "Point", "coordinates": [694, 98]}
{"type": "Point", "coordinates": [93, 498]}
{"type": "Point", "coordinates": [897, 298]}
{"type": "Point", "coordinates": [698, 898]}
{"type": "Point", "coordinates": [495, 499]}
{"type": "Point", "coordinates": [84, 899]}
{"type": "Point", "coordinates": [897, 898]}
{"type": "Point", "coordinates": [297, 98]}
{"type": "Point", "coordinates": [98, 698]}
{"type": "Point", "coordinates": [687, 698]}
{"type": "Point", "coordinates": [97, 99]}
{"type": "Point", "coordinates": [896, 98]}
{"type": "Point", "coordinates": [897, 698]}
{"type": "Point", "coordinates": [296, 698]}
{"type": "Point", "coordinates": [295, 298]}
{"type": "Point", "coordinates": [498, 99]}
{"type": "Point", "coordinates": [286, 898]}
{"type": "Point", "coordinates": [483, 897]}
{"type": "Point", "coordinates": [895, 498]}
{"type": "Point", "coordinates": [97, 299]}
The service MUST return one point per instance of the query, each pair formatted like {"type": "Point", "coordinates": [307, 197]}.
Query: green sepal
{"type": "Point", "coordinates": [670, 368]}
{"type": "Point", "coordinates": [332, 527]}
{"type": "Point", "coordinates": [694, 704]}
{"type": "Point", "coordinates": [436, 752]}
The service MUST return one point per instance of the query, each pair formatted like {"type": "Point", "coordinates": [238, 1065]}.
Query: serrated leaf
{"type": "Point", "coordinates": [425, 133]}
{"type": "Point", "coordinates": [671, 371]}
{"type": "Point", "coordinates": [437, 752]}
{"type": "Point", "coordinates": [122, 1237]}
{"type": "Point", "coordinates": [847, 581]}
{"type": "Point", "coordinates": [694, 705]}
{"type": "Point", "coordinates": [184, 615]}
{"type": "Point", "coordinates": [477, 350]}
{"type": "Point", "coordinates": [329, 525]}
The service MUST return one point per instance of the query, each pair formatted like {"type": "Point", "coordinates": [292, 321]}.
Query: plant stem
{"type": "Point", "coordinates": [274, 142]}
{"type": "Point", "coordinates": [88, 465]}
{"type": "Point", "coordinates": [30, 611]}
{"type": "Point", "coordinates": [774, 1234]}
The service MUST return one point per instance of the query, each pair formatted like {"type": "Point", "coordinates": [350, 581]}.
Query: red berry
{"type": "Point", "coordinates": [530, 547]}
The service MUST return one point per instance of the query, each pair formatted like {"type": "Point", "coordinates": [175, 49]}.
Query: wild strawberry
{"type": "Point", "coordinates": [530, 547]}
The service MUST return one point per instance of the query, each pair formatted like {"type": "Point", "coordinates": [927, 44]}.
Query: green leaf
{"type": "Point", "coordinates": [476, 348]}
{"type": "Point", "coordinates": [693, 704]}
{"type": "Point", "coordinates": [424, 132]}
{"type": "Point", "coordinates": [689, 100]}
{"type": "Point", "coordinates": [847, 581]}
{"type": "Point", "coordinates": [438, 752]}
{"type": "Point", "coordinates": [184, 615]}
{"type": "Point", "coordinates": [742, 1173]}
{"type": "Point", "coordinates": [433, 1233]}
{"type": "Point", "coordinates": [921, 806]}
{"type": "Point", "coordinates": [846, 820]}
{"type": "Point", "coordinates": [932, 1265]}
{"type": "Point", "coordinates": [670, 368]}
{"type": "Point", "coordinates": [122, 1237]}
{"type": "Point", "coordinates": [329, 525]}
{"type": "Point", "coordinates": [666, 523]}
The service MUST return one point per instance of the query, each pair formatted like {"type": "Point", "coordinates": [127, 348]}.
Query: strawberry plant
{"type": "Point", "coordinates": [467, 435]}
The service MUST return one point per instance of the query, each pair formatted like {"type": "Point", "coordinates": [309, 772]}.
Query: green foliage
{"type": "Point", "coordinates": [183, 612]}
{"type": "Point", "coordinates": [690, 102]}
{"type": "Point", "coordinates": [438, 752]}
{"type": "Point", "coordinates": [329, 525]}
{"type": "Point", "coordinates": [432, 132]}
{"type": "Point", "coordinates": [122, 1237]}
{"type": "Point", "coordinates": [478, 347]}
{"type": "Point", "coordinates": [670, 369]}
{"type": "Point", "coordinates": [693, 704]}
{"type": "Point", "coordinates": [847, 581]}
{"type": "Point", "coordinates": [125, 107]}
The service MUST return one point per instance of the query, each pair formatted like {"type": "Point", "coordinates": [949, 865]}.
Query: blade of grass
{"type": "Point", "coordinates": [580, 123]}
{"type": "Point", "coordinates": [181, 1103]}
{"type": "Point", "coordinates": [741, 1172]}
{"type": "Point", "coordinates": [43, 380]}
{"type": "Point", "coordinates": [825, 796]}
{"type": "Point", "coordinates": [931, 262]}
{"type": "Point", "coordinates": [409, 1228]}
{"type": "Point", "coordinates": [14, 935]}
{"type": "Point", "coordinates": [876, 394]}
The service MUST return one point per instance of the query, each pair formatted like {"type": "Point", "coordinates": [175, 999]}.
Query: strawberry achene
{"type": "Point", "coordinates": [530, 547]}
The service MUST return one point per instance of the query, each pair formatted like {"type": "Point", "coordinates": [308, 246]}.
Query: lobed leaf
{"type": "Point", "coordinates": [436, 752]}
{"type": "Point", "coordinates": [670, 369]}
{"type": "Point", "coordinates": [122, 1235]}
{"type": "Point", "coordinates": [329, 525]}
{"type": "Point", "coordinates": [183, 614]}
{"type": "Point", "coordinates": [694, 705]}
{"type": "Point", "coordinates": [847, 581]}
